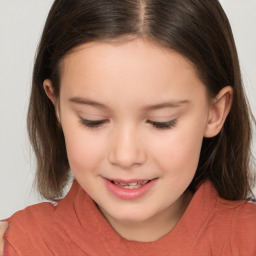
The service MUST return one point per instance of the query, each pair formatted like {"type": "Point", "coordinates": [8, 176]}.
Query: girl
{"type": "Point", "coordinates": [142, 101]}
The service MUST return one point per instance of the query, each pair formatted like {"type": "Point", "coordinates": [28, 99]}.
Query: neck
{"type": "Point", "coordinates": [154, 228]}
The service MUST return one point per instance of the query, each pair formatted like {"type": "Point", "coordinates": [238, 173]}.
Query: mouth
{"type": "Point", "coordinates": [130, 185]}
{"type": "Point", "coordinates": [129, 189]}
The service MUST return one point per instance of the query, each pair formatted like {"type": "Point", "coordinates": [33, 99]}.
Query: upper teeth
{"type": "Point", "coordinates": [131, 185]}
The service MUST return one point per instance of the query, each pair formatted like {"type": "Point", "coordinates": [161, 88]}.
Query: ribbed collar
{"type": "Point", "coordinates": [78, 219]}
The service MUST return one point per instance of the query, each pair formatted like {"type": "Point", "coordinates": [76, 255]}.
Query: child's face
{"type": "Point", "coordinates": [153, 113]}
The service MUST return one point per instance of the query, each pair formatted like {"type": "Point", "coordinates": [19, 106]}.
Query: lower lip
{"type": "Point", "coordinates": [129, 194]}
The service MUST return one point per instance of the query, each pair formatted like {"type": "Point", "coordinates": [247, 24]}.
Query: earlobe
{"type": "Point", "coordinates": [218, 111]}
{"type": "Point", "coordinates": [48, 88]}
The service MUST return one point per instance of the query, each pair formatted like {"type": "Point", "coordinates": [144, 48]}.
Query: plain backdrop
{"type": "Point", "coordinates": [21, 24]}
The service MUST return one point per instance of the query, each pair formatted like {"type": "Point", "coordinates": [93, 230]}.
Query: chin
{"type": "Point", "coordinates": [132, 216]}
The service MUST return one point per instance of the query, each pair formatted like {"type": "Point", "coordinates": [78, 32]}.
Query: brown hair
{"type": "Point", "coordinates": [197, 29]}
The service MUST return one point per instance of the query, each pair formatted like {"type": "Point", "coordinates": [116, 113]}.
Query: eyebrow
{"type": "Point", "coordinates": [83, 101]}
{"type": "Point", "coordinates": [173, 104]}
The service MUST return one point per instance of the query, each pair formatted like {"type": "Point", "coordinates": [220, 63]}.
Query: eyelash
{"type": "Point", "coordinates": [163, 125]}
{"type": "Point", "coordinates": [158, 125]}
{"type": "Point", "coordinates": [92, 124]}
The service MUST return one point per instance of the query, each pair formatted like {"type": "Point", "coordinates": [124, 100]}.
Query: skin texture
{"type": "Point", "coordinates": [3, 228]}
{"type": "Point", "coordinates": [127, 78]}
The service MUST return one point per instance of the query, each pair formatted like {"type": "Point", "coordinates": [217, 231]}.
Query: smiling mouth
{"type": "Point", "coordinates": [131, 185]}
{"type": "Point", "coordinates": [129, 189]}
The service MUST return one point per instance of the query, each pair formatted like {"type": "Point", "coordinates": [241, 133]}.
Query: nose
{"type": "Point", "coordinates": [127, 149]}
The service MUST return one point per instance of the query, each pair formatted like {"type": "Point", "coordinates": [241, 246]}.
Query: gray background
{"type": "Point", "coordinates": [21, 23]}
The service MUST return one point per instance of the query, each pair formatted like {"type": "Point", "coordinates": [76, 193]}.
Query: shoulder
{"type": "Point", "coordinates": [227, 227]}
{"type": "Point", "coordinates": [32, 214]}
{"type": "Point", "coordinates": [236, 220]}
{"type": "Point", "coordinates": [242, 213]}
{"type": "Point", "coordinates": [244, 228]}
{"type": "Point", "coordinates": [29, 225]}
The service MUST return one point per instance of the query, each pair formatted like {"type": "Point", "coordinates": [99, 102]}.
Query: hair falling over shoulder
{"type": "Point", "coordinates": [198, 29]}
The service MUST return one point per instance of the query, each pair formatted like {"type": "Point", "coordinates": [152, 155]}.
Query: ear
{"type": "Point", "coordinates": [48, 88]}
{"type": "Point", "coordinates": [218, 111]}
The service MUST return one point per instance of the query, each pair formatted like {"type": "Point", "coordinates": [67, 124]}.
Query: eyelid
{"type": "Point", "coordinates": [158, 125]}
{"type": "Point", "coordinates": [90, 115]}
{"type": "Point", "coordinates": [92, 123]}
{"type": "Point", "coordinates": [163, 125]}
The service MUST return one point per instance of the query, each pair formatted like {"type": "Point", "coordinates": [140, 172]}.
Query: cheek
{"type": "Point", "coordinates": [188, 152]}
{"type": "Point", "coordinates": [83, 150]}
{"type": "Point", "coordinates": [179, 152]}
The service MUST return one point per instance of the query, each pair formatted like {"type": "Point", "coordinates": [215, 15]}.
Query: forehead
{"type": "Point", "coordinates": [127, 68]}
{"type": "Point", "coordinates": [121, 52]}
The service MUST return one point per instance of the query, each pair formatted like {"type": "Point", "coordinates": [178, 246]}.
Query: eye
{"type": "Point", "coordinates": [162, 125]}
{"type": "Point", "coordinates": [99, 123]}
{"type": "Point", "coordinates": [92, 123]}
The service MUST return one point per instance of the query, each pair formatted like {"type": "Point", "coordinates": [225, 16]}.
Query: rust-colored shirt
{"type": "Point", "coordinates": [75, 227]}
